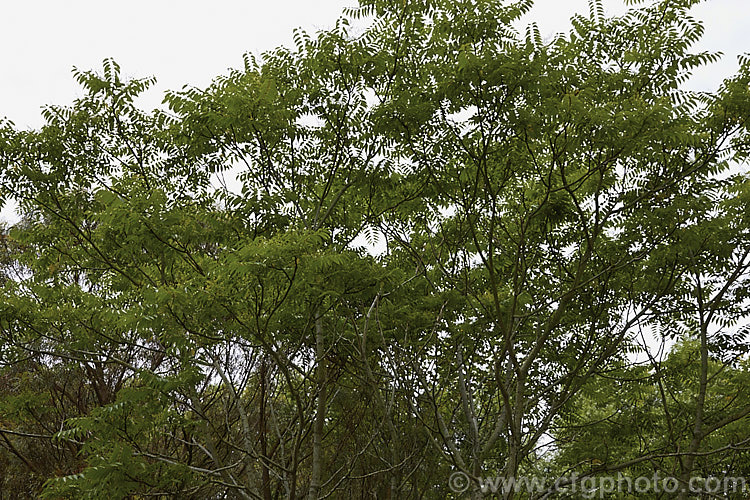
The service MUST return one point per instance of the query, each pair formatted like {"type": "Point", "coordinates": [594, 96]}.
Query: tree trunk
{"type": "Point", "coordinates": [317, 466]}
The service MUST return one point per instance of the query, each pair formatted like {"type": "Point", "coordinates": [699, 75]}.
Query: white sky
{"type": "Point", "coordinates": [191, 42]}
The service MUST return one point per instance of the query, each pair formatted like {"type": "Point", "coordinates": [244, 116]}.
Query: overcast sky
{"type": "Point", "coordinates": [190, 42]}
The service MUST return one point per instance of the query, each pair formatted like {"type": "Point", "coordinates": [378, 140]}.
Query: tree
{"type": "Point", "coordinates": [682, 416]}
{"type": "Point", "coordinates": [639, 422]}
{"type": "Point", "coordinates": [442, 235]}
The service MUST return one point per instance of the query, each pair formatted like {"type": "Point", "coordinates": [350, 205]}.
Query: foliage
{"type": "Point", "coordinates": [354, 267]}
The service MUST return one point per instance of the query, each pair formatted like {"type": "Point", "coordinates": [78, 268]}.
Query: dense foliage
{"type": "Point", "coordinates": [388, 255]}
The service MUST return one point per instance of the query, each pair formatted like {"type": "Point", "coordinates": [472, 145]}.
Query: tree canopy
{"type": "Point", "coordinates": [423, 243]}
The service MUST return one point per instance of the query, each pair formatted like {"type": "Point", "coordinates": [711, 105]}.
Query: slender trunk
{"type": "Point", "coordinates": [687, 463]}
{"type": "Point", "coordinates": [265, 476]}
{"type": "Point", "coordinates": [467, 402]}
{"type": "Point", "coordinates": [236, 491]}
{"type": "Point", "coordinates": [317, 466]}
{"type": "Point", "coordinates": [385, 407]}
{"type": "Point", "coordinates": [247, 435]}
{"type": "Point", "coordinates": [515, 441]}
